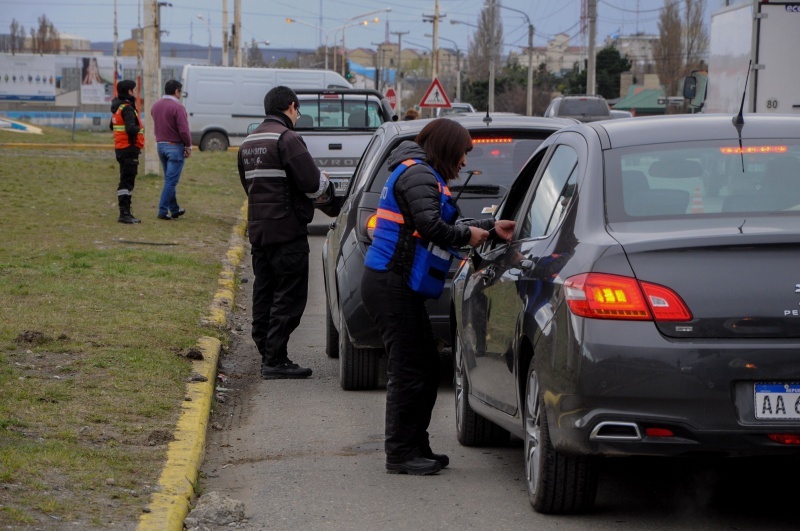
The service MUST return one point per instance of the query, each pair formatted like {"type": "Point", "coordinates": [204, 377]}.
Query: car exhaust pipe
{"type": "Point", "coordinates": [616, 431]}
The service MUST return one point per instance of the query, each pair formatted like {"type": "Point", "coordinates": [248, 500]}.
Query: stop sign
{"type": "Point", "coordinates": [392, 97]}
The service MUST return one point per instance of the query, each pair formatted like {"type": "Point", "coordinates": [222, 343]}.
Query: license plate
{"type": "Point", "coordinates": [777, 400]}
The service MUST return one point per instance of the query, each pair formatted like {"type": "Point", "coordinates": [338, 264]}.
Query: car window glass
{"type": "Point", "coordinates": [702, 179]}
{"type": "Point", "coordinates": [551, 190]}
{"type": "Point", "coordinates": [361, 174]}
{"type": "Point", "coordinates": [579, 107]}
{"type": "Point", "coordinates": [337, 114]}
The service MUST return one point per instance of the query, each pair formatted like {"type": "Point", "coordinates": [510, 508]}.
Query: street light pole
{"type": "Point", "coordinates": [344, 50]}
{"type": "Point", "coordinates": [529, 106]}
{"type": "Point", "coordinates": [458, 65]}
{"type": "Point", "coordinates": [295, 21]}
{"type": "Point", "coordinates": [208, 23]}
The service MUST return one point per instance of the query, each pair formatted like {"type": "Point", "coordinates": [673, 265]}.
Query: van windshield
{"type": "Point", "coordinates": [338, 113]}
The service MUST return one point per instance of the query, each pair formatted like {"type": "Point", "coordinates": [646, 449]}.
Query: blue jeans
{"type": "Point", "coordinates": [172, 159]}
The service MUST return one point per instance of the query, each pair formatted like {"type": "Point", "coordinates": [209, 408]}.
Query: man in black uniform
{"type": "Point", "coordinates": [282, 182]}
{"type": "Point", "coordinates": [128, 144]}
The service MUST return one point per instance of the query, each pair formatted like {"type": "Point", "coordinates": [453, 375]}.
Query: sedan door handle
{"type": "Point", "coordinates": [332, 225]}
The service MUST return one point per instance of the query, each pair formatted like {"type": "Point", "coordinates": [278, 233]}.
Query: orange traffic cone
{"type": "Point", "coordinates": [697, 201]}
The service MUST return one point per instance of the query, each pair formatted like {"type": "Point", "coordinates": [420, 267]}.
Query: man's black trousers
{"type": "Point", "coordinates": [414, 368]}
{"type": "Point", "coordinates": [280, 292]}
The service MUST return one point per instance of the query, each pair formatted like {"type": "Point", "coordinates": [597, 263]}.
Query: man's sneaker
{"type": "Point", "coordinates": [419, 466]}
{"type": "Point", "coordinates": [179, 213]}
{"type": "Point", "coordinates": [284, 370]}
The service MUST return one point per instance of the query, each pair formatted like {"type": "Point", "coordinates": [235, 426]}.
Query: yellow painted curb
{"type": "Point", "coordinates": [169, 506]}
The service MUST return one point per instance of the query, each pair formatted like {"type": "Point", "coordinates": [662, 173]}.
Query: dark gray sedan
{"type": "Point", "coordinates": [502, 145]}
{"type": "Point", "coordinates": [648, 303]}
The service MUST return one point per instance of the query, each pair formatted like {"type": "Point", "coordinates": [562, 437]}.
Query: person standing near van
{"type": "Point", "coordinates": [174, 142]}
{"type": "Point", "coordinates": [281, 181]}
{"type": "Point", "coordinates": [128, 143]}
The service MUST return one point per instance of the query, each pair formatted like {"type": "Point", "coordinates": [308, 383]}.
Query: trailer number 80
{"type": "Point", "coordinates": [772, 103]}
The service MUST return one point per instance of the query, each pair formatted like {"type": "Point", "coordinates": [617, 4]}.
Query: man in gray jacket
{"type": "Point", "coordinates": [281, 181]}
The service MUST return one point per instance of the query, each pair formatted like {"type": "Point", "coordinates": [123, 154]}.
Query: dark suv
{"type": "Point", "coordinates": [502, 145]}
{"type": "Point", "coordinates": [581, 107]}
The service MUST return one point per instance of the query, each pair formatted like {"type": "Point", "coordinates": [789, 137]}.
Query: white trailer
{"type": "Point", "coordinates": [766, 33]}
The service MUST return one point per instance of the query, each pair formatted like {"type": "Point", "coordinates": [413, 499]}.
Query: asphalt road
{"type": "Point", "coordinates": [304, 454]}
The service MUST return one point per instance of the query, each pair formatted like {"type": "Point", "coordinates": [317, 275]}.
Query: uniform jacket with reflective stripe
{"type": "Point", "coordinates": [276, 172]}
{"type": "Point", "coordinates": [126, 124]}
{"type": "Point", "coordinates": [418, 197]}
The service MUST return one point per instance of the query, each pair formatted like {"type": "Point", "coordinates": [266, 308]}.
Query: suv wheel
{"type": "Point", "coordinates": [358, 367]}
{"type": "Point", "coordinates": [471, 428]}
{"type": "Point", "coordinates": [557, 483]}
{"type": "Point", "coordinates": [214, 142]}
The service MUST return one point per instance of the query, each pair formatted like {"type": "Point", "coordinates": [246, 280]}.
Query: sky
{"type": "Point", "coordinates": [265, 20]}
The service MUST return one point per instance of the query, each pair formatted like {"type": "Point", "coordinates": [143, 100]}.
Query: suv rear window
{"type": "Point", "coordinates": [581, 107]}
{"type": "Point", "coordinates": [337, 113]}
{"type": "Point", "coordinates": [498, 158]}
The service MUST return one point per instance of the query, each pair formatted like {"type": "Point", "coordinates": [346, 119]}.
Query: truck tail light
{"type": "Point", "coordinates": [372, 221]}
{"type": "Point", "coordinates": [603, 296]}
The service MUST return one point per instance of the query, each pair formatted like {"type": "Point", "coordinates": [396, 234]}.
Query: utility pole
{"type": "Point", "coordinates": [150, 83]}
{"type": "Point", "coordinates": [529, 107]}
{"type": "Point", "coordinates": [237, 32]}
{"type": "Point", "coordinates": [224, 32]}
{"type": "Point", "coordinates": [492, 44]}
{"type": "Point", "coordinates": [116, 37]}
{"type": "Point", "coordinates": [398, 78]}
{"type": "Point", "coordinates": [591, 66]}
{"type": "Point", "coordinates": [435, 48]}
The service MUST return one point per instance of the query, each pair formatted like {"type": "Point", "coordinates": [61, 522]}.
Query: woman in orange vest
{"type": "Point", "coordinates": [128, 144]}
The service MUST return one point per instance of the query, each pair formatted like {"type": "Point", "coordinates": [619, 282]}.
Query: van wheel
{"type": "Point", "coordinates": [214, 142]}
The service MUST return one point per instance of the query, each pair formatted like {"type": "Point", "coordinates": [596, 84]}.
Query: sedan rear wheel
{"type": "Point", "coordinates": [471, 428]}
{"type": "Point", "coordinates": [557, 483]}
{"type": "Point", "coordinates": [358, 367]}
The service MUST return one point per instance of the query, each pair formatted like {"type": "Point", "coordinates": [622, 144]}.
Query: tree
{"type": "Point", "coordinates": [16, 37]}
{"type": "Point", "coordinates": [45, 38]}
{"type": "Point", "coordinates": [668, 49]}
{"type": "Point", "coordinates": [696, 34]}
{"type": "Point", "coordinates": [610, 65]}
{"type": "Point", "coordinates": [486, 43]}
{"type": "Point", "coordinates": [254, 55]}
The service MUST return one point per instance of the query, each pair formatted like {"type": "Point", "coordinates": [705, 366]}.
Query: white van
{"type": "Point", "coordinates": [223, 101]}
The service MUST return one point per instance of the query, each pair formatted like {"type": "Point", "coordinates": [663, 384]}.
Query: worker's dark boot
{"type": "Point", "coordinates": [125, 216]}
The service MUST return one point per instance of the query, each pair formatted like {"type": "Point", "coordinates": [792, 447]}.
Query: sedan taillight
{"type": "Point", "coordinates": [604, 296]}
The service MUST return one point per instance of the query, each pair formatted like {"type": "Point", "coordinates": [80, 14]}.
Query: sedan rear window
{"type": "Point", "coordinates": [711, 178]}
{"type": "Point", "coordinates": [581, 107]}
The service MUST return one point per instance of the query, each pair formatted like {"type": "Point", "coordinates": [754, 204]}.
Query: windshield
{"type": "Point", "coordinates": [711, 178]}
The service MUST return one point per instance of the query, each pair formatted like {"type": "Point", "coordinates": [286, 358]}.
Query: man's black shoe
{"type": "Point", "coordinates": [442, 459]}
{"type": "Point", "coordinates": [419, 466]}
{"type": "Point", "coordinates": [166, 217]}
{"type": "Point", "coordinates": [284, 370]}
{"type": "Point", "coordinates": [179, 213]}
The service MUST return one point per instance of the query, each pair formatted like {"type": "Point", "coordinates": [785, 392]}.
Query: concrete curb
{"type": "Point", "coordinates": [170, 504]}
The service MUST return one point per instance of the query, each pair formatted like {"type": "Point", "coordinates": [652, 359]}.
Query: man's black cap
{"type": "Point", "coordinates": [126, 85]}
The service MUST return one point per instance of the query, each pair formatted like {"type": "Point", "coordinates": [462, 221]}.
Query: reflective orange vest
{"type": "Point", "coordinates": [121, 138]}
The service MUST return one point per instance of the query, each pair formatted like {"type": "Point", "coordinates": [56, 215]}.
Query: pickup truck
{"type": "Point", "coordinates": [337, 125]}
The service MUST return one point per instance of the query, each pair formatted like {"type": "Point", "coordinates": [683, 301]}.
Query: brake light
{"type": "Point", "coordinates": [372, 222]}
{"type": "Point", "coordinates": [785, 438]}
{"type": "Point", "coordinates": [492, 140]}
{"type": "Point", "coordinates": [748, 150]}
{"type": "Point", "coordinates": [604, 296]}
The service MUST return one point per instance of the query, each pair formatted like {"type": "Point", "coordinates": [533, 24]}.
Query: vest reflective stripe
{"type": "Point", "coordinates": [263, 136]}
{"type": "Point", "coordinates": [253, 174]}
{"type": "Point", "coordinates": [391, 216]}
{"type": "Point", "coordinates": [121, 138]}
{"type": "Point", "coordinates": [430, 262]}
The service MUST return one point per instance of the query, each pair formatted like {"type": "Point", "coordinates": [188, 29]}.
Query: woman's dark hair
{"type": "Point", "coordinates": [279, 99]}
{"type": "Point", "coordinates": [445, 142]}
